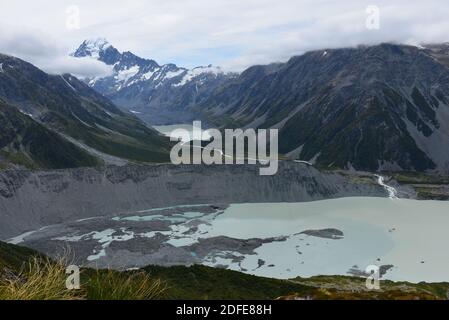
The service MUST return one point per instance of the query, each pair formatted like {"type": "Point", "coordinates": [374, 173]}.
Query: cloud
{"type": "Point", "coordinates": [47, 53]}
{"type": "Point", "coordinates": [249, 31]}
{"type": "Point", "coordinates": [80, 68]}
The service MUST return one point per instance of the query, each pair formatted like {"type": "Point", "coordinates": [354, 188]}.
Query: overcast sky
{"type": "Point", "coordinates": [232, 33]}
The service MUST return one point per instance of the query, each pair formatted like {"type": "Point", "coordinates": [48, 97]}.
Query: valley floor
{"type": "Point", "coordinates": [277, 240]}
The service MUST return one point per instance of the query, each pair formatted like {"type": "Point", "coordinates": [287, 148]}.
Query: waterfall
{"type": "Point", "coordinates": [392, 192]}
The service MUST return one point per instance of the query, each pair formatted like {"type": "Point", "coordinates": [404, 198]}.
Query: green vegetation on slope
{"type": "Point", "coordinates": [22, 276]}
{"type": "Point", "coordinates": [204, 283]}
{"type": "Point", "coordinates": [349, 288]}
{"type": "Point", "coordinates": [200, 282]}
{"type": "Point", "coordinates": [27, 143]}
{"type": "Point", "coordinates": [427, 186]}
{"type": "Point", "coordinates": [13, 257]}
{"type": "Point", "coordinates": [65, 105]}
{"type": "Point", "coordinates": [115, 285]}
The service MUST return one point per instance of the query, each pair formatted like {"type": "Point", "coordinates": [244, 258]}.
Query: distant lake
{"type": "Point", "coordinates": [167, 130]}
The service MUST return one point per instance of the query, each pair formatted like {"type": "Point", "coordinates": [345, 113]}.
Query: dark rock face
{"type": "Point", "coordinates": [31, 200]}
{"type": "Point", "coordinates": [370, 108]}
{"type": "Point", "coordinates": [439, 52]}
{"type": "Point", "coordinates": [325, 233]}
{"type": "Point", "coordinates": [159, 94]}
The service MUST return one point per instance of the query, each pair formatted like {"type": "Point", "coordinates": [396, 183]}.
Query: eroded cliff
{"type": "Point", "coordinates": [30, 200]}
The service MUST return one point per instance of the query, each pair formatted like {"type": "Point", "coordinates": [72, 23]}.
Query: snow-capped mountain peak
{"type": "Point", "coordinates": [92, 48]}
{"type": "Point", "coordinates": [130, 69]}
{"type": "Point", "coordinates": [143, 82]}
{"type": "Point", "coordinates": [99, 49]}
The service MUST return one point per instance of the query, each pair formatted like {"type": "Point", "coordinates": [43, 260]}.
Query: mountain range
{"type": "Point", "coordinates": [373, 108]}
{"type": "Point", "coordinates": [57, 121]}
{"type": "Point", "coordinates": [383, 107]}
{"type": "Point", "coordinates": [159, 94]}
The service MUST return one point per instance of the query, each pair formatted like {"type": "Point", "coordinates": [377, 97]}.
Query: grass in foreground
{"type": "Point", "coordinates": [41, 279]}
{"type": "Point", "coordinates": [44, 279]}
{"type": "Point", "coordinates": [114, 285]}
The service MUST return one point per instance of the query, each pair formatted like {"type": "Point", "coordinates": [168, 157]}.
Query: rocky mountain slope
{"type": "Point", "coordinates": [159, 94]}
{"type": "Point", "coordinates": [75, 116]}
{"type": "Point", "coordinates": [373, 108]}
{"type": "Point", "coordinates": [439, 51]}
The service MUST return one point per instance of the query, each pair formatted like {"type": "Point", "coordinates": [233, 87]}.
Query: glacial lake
{"type": "Point", "coordinates": [168, 129]}
{"type": "Point", "coordinates": [409, 238]}
{"type": "Point", "coordinates": [410, 235]}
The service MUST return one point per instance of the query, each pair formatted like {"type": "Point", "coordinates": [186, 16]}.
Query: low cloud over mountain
{"type": "Point", "coordinates": [47, 53]}
{"type": "Point", "coordinates": [233, 34]}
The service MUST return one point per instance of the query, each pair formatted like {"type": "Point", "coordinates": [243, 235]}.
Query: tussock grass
{"type": "Point", "coordinates": [114, 285]}
{"type": "Point", "coordinates": [44, 279]}
{"type": "Point", "coordinates": [41, 279]}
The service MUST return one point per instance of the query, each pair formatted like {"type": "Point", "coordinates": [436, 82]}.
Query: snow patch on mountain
{"type": "Point", "coordinates": [148, 75]}
{"type": "Point", "coordinates": [173, 74]}
{"type": "Point", "coordinates": [192, 74]}
{"type": "Point", "coordinates": [127, 73]}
